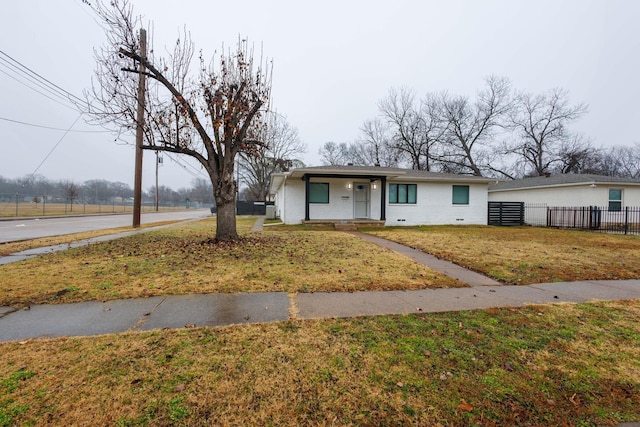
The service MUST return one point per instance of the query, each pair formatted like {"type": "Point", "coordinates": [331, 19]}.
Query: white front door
{"type": "Point", "coordinates": [360, 200]}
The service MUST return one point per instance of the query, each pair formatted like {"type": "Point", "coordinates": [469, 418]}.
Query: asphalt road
{"type": "Point", "coordinates": [25, 229]}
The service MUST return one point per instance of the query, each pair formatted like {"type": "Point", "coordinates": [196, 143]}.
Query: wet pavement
{"type": "Point", "coordinates": [141, 314]}
{"type": "Point", "coordinates": [180, 311]}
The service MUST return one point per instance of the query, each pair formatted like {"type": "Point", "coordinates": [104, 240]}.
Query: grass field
{"type": "Point", "coordinates": [562, 365]}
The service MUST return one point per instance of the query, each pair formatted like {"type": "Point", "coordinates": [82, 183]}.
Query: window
{"type": "Point", "coordinates": [403, 193]}
{"type": "Point", "coordinates": [318, 192]}
{"type": "Point", "coordinates": [460, 194]}
{"type": "Point", "coordinates": [615, 199]}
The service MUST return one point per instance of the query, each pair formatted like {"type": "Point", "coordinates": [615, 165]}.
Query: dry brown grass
{"type": "Point", "coordinates": [185, 259]}
{"type": "Point", "coordinates": [526, 255]}
{"type": "Point", "coordinates": [15, 247]}
{"type": "Point", "coordinates": [538, 366]}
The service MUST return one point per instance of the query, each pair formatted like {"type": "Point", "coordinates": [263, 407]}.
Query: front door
{"type": "Point", "coordinates": [361, 200]}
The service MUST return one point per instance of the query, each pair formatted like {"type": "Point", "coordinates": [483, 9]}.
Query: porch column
{"type": "Point", "coordinates": [306, 197]}
{"type": "Point", "coordinates": [383, 198]}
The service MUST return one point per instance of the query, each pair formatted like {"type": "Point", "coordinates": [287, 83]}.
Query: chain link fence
{"type": "Point", "coordinates": [31, 205]}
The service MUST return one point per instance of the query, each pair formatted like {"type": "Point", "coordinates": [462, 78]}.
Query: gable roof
{"type": "Point", "coordinates": [560, 180]}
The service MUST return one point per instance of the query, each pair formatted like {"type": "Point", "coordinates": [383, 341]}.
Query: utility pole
{"type": "Point", "coordinates": [158, 160]}
{"type": "Point", "coordinates": [137, 185]}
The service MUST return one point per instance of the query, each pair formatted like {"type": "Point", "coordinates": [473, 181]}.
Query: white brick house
{"type": "Point", "coordinates": [388, 195]}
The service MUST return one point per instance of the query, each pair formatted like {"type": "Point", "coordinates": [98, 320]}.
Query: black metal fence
{"type": "Point", "coordinates": [625, 220]}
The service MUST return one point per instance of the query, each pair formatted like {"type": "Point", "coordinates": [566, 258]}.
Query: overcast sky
{"type": "Point", "coordinates": [333, 62]}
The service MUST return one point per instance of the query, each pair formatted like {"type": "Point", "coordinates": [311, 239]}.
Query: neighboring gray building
{"type": "Point", "coordinates": [570, 190]}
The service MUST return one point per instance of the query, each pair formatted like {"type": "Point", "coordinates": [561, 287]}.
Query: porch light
{"type": "Point", "coordinates": [374, 185]}
{"type": "Point", "coordinates": [348, 186]}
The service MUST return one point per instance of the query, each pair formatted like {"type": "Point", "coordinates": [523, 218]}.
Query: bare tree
{"type": "Point", "coordinates": [471, 125]}
{"type": "Point", "coordinates": [281, 153]}
{"type": "Point", "coordinates": [211, 116]}
{"type": "Point", "coordinates": [334, 154]}
{"type": "Point", "coordinates": [417, 126]}
{"type": "Point", "coordinates": [201, 190]}
{"type": "Point", "coordinates": [71, 192]}
{"type": "Point", "coordinates": [577, 155]}
{"type": "Point", "coordinates": [375, 146]}
{"type": "Point", "coordinates": [621, 160]}
{"type": "Point", "coordinates": [96, 189]}
{"type": "Point", "coordinates": [543, 140]}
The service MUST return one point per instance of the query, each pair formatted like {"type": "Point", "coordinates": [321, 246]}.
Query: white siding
{"type": "Point", "coordinates": [578, 195]}
{"type": "Point", "coordinates": [435, 206]}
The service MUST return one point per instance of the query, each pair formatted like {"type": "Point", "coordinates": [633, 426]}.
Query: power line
{"type": "Point", "coordinates": [52, 128]}
{"type": "Point", "coordinates": [56, 146]}
{"type": "Point", "coordinates": [12, 67]}
{"type": "Point", "coordinates": [91, 16]}
{"type": "Point", "coordinates": [197, 174]}
{"type": "Point", "coordinates": [28, 71]}
{"type": "Point", "coordinates": [36, 90]}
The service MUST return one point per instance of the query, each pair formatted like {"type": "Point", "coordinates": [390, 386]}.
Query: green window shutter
{"type": "Point", "coordinates": [460, 194]}
{"type": "Point", "coordinates": [318, 192]}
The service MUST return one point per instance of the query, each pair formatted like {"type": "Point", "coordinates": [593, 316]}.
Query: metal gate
{"type": "Point", "coordinates": [506, 213]}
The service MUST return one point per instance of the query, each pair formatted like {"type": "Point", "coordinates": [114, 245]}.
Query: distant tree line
{"type": "Point", "coordinates": [97, 191]}
{"type": "Point", "coordinates": [499, 133]}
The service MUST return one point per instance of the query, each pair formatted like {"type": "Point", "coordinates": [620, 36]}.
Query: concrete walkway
{"type": "Point", "coordinates": [179, 311]}
{"type": "Point", "coordinates": [445, 267]}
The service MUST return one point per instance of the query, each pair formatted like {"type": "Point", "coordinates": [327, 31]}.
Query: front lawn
{"type": "Point", "coordinates": [185, 259]}
{"type": "Point", "coordinates": [526, 255]}
{"type": "Point", "coordinates": [561, 365]}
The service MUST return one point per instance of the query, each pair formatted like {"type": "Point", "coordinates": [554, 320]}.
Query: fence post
{"type": "Point", "coordinates": [626, 220]}
{"type": "Point", "coordinates": [548, 217]}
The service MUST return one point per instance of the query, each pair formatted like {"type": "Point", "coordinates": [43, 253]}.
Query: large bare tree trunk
{"type": "Point", "coordinates": [225, 195]}
{"type": "Point", "coordinates": [226, 221]}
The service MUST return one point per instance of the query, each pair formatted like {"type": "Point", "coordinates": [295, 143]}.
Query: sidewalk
{"type": "Point", "coordinates": [179, 311]}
